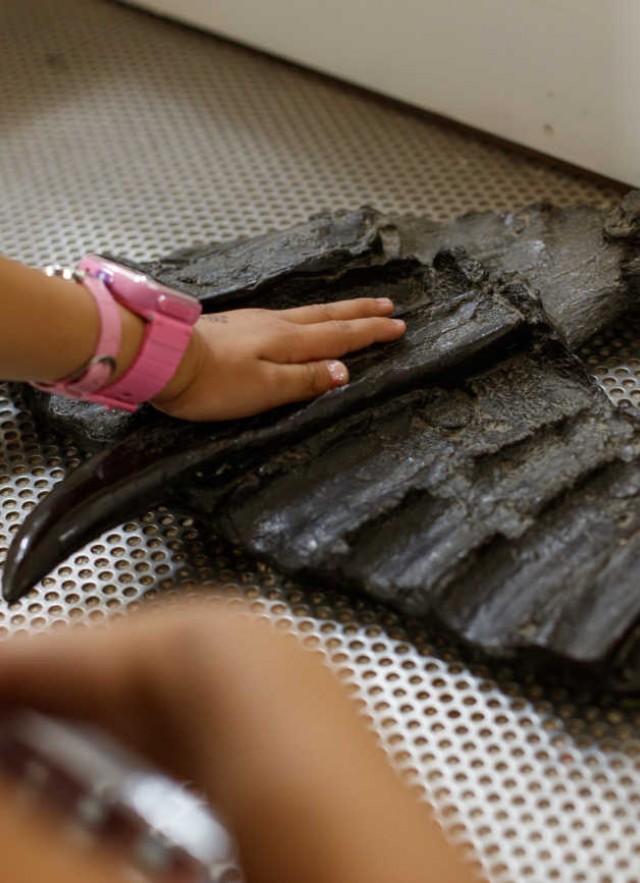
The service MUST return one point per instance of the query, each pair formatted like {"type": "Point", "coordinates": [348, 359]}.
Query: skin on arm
{"type": "Point", "coordinates": [35, 848]}
{"type": "Point", "coordinates": [237, 364]}
{"type": "Point", "coordinates": [259, 725]}
{"type": "Point", "coordinates": [49, 327]}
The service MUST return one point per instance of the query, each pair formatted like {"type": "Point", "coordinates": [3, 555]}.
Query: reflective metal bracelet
{"type": "Point", "coordinates": [109, 795]}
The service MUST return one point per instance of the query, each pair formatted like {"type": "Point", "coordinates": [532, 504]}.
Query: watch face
{"type": "Point", "coordinates": [142, 293]}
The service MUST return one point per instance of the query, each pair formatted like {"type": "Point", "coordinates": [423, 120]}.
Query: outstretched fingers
{"type": "Point", "coordinates": [331, 340]}
{"type": "Point", "coordinates": [356, 308]}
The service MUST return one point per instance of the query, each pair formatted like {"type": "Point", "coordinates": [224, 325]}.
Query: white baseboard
{"type": "Point", "coordinates": [560, 76]}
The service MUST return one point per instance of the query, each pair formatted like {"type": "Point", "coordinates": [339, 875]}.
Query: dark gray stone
{"type": "Point", "coordinates": [471, 474]}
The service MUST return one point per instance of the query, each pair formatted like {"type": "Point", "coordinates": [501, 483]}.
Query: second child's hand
{"type": "Point", "coordinates": [257, 724]}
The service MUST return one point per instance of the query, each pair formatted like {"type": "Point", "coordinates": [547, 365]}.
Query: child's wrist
{"type": "Point", "coordinates": [185, 373]}
{"type": "Point", "coordinates": [133, 327]}
{"type": "Point", "coordinates": [132, 332]}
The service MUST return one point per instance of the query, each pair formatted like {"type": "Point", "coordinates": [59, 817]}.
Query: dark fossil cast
{"type": "Point", "coordinates": [473, 474]}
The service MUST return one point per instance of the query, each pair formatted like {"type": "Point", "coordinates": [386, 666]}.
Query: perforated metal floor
{"type": "Point", "coordinates": [123, 132]}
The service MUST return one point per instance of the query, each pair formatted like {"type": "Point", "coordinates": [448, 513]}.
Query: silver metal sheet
{"type": "Point", "coordinates": [120, 131]}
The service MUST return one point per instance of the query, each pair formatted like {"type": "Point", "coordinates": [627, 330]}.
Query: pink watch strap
{"type": "Point", "coordinates": [162, 349]}
{"type": "Point", "coordinates": [102, 365]}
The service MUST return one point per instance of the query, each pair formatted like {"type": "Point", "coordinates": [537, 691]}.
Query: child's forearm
{"type": "Point", "coordinates": [49, 327]}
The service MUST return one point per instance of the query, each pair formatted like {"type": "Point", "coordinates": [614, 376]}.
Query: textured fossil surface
{"type": "Point", "coordinates": [578, 263]}
{"type": "Point", "coordinates": [471, 474]}
{"type": "Point", "coordinates": [581, 263]}
{"type": "Point", "coordinates": [506, 506]}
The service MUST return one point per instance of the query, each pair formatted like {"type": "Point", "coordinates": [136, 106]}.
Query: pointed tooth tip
{"type": "Point", "coordinates": [16, 584]}
{"type": "Point", "coordinates": [12, 593]}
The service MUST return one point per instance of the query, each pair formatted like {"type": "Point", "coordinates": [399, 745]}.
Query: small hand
{"type": "Point", "coordinates": [260, 726]}
{"type": "Point", "coordinates": [244, 362]}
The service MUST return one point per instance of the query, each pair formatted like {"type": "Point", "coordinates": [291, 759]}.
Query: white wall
{"type": "Point", "coordinates": [561, 76]}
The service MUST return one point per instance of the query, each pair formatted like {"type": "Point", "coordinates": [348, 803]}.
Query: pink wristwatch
{"type": "Point", "coordinates": [170, 316]}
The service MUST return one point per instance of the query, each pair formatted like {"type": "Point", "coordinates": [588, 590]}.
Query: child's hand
{"type": "Point", "coordinates": [261, 727]}
{"type": "Point", "coordinates": [247, 361]}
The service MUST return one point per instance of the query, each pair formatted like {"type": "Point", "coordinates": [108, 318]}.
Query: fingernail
{"type": "Point", "coordinates": [384, 301]}
{"type": "Point", "coordinates": [399, 322]}
{"type": "Point", "coordinates": [338, 372]}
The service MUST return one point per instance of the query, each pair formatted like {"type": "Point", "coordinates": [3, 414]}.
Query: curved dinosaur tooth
{"type": "Point", "coordinates": [71, 514]}
{"type": "Point", "coordinates": [118, 483]}
{"type": "Point", "coordinates": [123, 482]}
